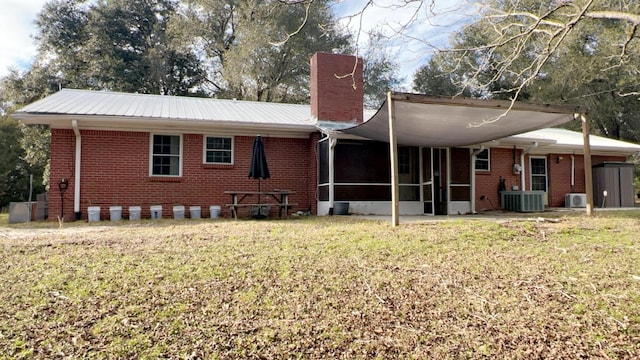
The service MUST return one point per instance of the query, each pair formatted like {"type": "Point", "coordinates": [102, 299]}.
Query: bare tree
{"type": "Point", "coordinates": [513, 40]}
{"type": "Point", "coordinates": [521, 39]}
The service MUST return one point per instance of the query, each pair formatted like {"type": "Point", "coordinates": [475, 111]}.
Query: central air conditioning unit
{"type": "Point", "coordinates": [575, 200]}
{"type": "Point", "coordinates": [522, 201]}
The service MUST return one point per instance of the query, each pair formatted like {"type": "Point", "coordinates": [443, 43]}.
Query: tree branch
{"type": "Point", "coordinates": [302, 24]}
{"type": "Point", "coordinates": [614, 15]}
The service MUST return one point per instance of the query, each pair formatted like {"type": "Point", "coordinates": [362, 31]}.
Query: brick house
{"type": "Point", "coordinates": [142, 150]}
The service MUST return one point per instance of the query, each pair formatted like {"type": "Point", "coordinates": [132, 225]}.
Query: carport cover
{"type": "Point", "coordinates": [423, 120]}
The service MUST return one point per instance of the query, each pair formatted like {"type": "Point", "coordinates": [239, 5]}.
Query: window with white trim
{"type": "Point", "coordinates": [166, 155]}
{"type": "Point", "coordinates": [218, 150]}
{"type": "Point", "coordinates": [483, 161]}
{"type": "Point", "coordinates": [538, 173]}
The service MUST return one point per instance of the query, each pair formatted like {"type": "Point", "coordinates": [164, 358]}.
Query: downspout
{"type": "Point", "coordinates": [332, 145]}
{"type": "Point", "coordinates": [473, 178]}
{"type": "Point", "coordinates": [76, 186]}
{"type": "Point", "coordinates": [522, 171]}
{"type": "Point", "coordinates": [573, 173]}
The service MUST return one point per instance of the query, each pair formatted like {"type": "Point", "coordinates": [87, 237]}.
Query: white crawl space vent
{"type": "Point", "coordinates": [575, 200]}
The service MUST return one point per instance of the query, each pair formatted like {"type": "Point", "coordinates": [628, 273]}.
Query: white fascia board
{"type": "Point", "coordinates": [551, 147]}
{"type": "Point", "coordinates": [184, 126]}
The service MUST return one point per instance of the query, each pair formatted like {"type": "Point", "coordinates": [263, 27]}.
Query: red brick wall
{"type": "Point", "coordinates": [115, 171]}
{"type": "Point", "coordinates": [501, 165]}
{"type": "Point", "coordinates": [62, 157]}
{"type": "Point", "coordinates": [335, 94]}
{"type": "Point", "coordinates": [559, 176]}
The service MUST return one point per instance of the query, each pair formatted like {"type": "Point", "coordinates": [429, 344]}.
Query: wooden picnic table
{"type": "Point", "coordinates": [281, 198]}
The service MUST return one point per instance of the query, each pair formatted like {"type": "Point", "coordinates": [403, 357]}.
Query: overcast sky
{"type": "Point", "coordinates": [17, 28]}
{"type": "Point", "coordinates": [428, 27]}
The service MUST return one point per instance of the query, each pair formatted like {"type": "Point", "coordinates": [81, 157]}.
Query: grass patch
{"type": "Point", "coordinates": [323, 288]}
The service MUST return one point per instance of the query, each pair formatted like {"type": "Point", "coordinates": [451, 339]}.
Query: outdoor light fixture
{"type": "Point", "coordinates": [63, 184]}
{"type": "Point", "coordinates": [558, 159]}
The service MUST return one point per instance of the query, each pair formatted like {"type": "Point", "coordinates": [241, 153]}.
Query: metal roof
{"type": "Point", "coordinates": [425, 119]}
{"type": "Point", "coordinates": [102, 104]}
{"type": "Point", "coordinates": [563, 140]}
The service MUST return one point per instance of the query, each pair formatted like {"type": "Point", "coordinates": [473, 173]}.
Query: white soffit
{"type": "Point", "coordinates": [567, 140]}
{"type": "Point", "coordinates": [423, 120]}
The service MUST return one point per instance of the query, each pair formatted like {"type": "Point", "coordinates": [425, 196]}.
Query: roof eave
{"type": "Point", "coordinates": [120, 123]}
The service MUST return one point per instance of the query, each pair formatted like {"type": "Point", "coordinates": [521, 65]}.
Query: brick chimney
{"type": "Point", "coordinates": [336, 94]}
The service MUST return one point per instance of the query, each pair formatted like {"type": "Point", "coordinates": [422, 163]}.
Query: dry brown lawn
{"type": "Point", "coordinates": [331, 287]}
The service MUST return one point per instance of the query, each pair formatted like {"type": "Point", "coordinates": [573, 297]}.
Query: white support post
{"type": "Point", "coordinates": [474, 155]}
{"type": "Point", "coordinates": [448, 186]}
{"type": "Point", "coordinates": [588, 175]}
{"type": "Point", "coordinates": [393, 152]}
{"type": "Point", "coordinates": [332, 173]}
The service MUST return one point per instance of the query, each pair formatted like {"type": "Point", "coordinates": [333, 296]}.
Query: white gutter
{"type": "Point", "coordinates": [522, 171]}
{"type": "Point", "coordinates": [473, 178]}
{"type": "Point", "coordinates": [76, 186]}
{"type": "Point", "coordinates": [573, 172]}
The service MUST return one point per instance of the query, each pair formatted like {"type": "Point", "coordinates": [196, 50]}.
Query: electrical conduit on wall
{"type": "Point", "coordinates": [573, 173]}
